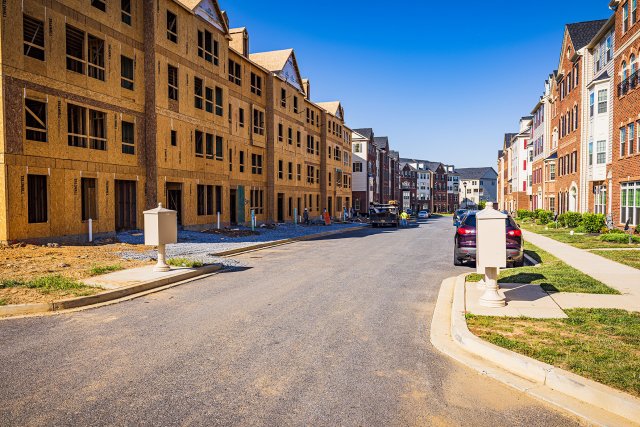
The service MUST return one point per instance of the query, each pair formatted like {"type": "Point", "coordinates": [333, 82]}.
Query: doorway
{"type": "Point", "coordinates": [330, 206]}
{"type": "Point", "coordinates": [280, 207]}
{"type": "Point", "coordinates": [174, 199]}
{"type": "Point", "coordinates": [233, 203]}
{"type": "Point", "coordinates": [125, 205]}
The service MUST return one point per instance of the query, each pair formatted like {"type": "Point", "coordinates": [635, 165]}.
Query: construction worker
{"type": "Point", "coordinates": [403, 219]}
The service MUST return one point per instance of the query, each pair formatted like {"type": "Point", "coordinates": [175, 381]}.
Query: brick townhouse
{"type": "Point", "coordinates": [625, 166]}
{"type": "Point", "coordinates": [112, 107]}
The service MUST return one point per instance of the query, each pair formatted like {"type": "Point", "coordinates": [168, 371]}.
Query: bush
{"type": "Point", "coordinates": [619, 238]}
{"type": "Point", "coordinates": [524, 214]}
{"type": "Point", "coordinates": [570, 219]}
{"type": "Point", "coordinates": [593, 223]}
{"type": "Point", "coordinates": [544, 217]}
{"type": "Point", "coordinates": [580, 229]}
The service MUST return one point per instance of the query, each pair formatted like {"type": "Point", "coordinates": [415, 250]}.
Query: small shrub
{"type": "Point", "coordinates": [580, 229]}
{"type": "Point", "coordinates": [524, 214]}
{"type": "Point", "coordinates": [184, 262]}
{"type": "Point", "coordinates": [619, 238]}
{"type": "Point", "coordinates": [593, 223]}
{"type": "Point", "coordinates": [98, 270]}
{"type": "Point", "coordinates": [544, 217]}
{"type": "Point", "coordinates": [570, 219]}
{"type": "Point", "coordinates": [614, 231]}
{"type": "Point", "coordinates": [3, 301]}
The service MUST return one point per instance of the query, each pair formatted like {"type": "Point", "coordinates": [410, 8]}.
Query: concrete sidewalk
{"type": "Point", "coordinates": [623, 278]}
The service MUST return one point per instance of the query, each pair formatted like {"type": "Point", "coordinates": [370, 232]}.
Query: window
{"type": "Point", "coordinates": [295, 104]}
{"type": "Point", "coordinates": [219, 101]}
{"type": "Point", "coordinates": [258, 122]}
{"type": "Point", "coordinates": [591, 103]}
{"type": "Point", "coordinates": [357, 148]}
{"type": "Point", "coordinates": [634, 11]}
{"type": "Point", "coordinates": [630, 203]}
{"type": "Point", "coordinates": [197, 93]}
{"type": "Point", "coordinates": [37, 198]}
{"type": "Point", "coordinates": [310, 144]}
{"type": "Point", "coordinates": [283, 98]}
{"type": "Point", "coordinates": [241, 160]}
{"type": "Point", "coordinates": [89, 198]}
{"type": "Point", "coordinates": [631, 131]}
{"type": "Point", "coordinates": [208, 99]}
{"type": "Point", "coordinates": [290, 171]}
{"type": "Point", "coordinates": [575, 117]}
{"type": "Point", "coordinates": [357, 167]}
{"type": "Point", "coordinates": [257, 201]}
{"type": "Point", "coordinates": [256, 164]}
{"type": "Point", "coordinates": [172, 80]}
{"type": "Point", "coordinates": [280, 132]}
{"type": "Point", "coordinates": [35, 113]}
{"type": "Point", "coordinates": [125, 11]}
{"type": "Point", "coordinates": [241, 117]}
{"type": "Point", "coordinates": [172, 27]}
{"type": "Point", "coordinates": [199, 149]}
{"type": "Point", "coordinates": [329, 151]}
{"type": "Point", "coordinates": [280, 171]}
{"type": "Point", "coordinates": [299, 172]}
{"type": "Point", "coordinates": [97, 130]}
{"type": "Point", "coordinates": [128, 138]}
{"type": "Point", "coordinates": [77, 125]}
{"type": "Point", "coordinates": [552, 171]}
{"type": "Point", "coordinates": [590, 155]}
{"type": "Point", "coordinates": [298, 137]}
{"type": "Point", "coordinates": [256, 84]}
{"type": "Point", "coordinates": [174, 138]}
{"type": "Point", "coordinates": [623, 141]}
{"type": "Point", "coordinates": [230, 112]}
{"type": "Point", "coordinates": [207, 47]}
{"type": "Point", "coordinates": [219, 144]}
{"type": "Point", "coordinates": [235, 72]}
{"type": "Point", "coordinates": [96, 57]}
{"type": "Point", "coordinates": [601, 152]}
{"type": "Point", "coordinates": [126, 72]}
{"type": "Point", "coordinates": [75, 50]}
{"type": "Point", "coordinates": [99, 4]}
{"type": "Point", "coordinates": [33, 37]}
{"type": "Point", "coordinates": [205, 199]}
{"type": "Point", "coordinates": [625, 17]}
{"type": "Point", "coordinates": [602, 101]}
{"type": "Point", "coordinates": [290, 136]}
{"type": "Point", "coordinates": [208, 145]}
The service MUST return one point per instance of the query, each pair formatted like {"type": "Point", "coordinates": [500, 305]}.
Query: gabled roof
{"type": "Point", "coordinates": [475, 173]}
{"type": "Point", "coordinates": [500, 153]}
{"type": "Point", "coordinates": [366, 132]}
{"type": "Point", "coordinates": [507, 139]}
{"type": "Point", "coordinates": [332, 107]}
{"type": "Point", "coordinates": [382, 142]}
{"type": "Point", "coordinates": [282, 63]}
{"type": "Point", "coordinates": [581, 33]}
{"type": "Point", "coordinates": [209, 10]}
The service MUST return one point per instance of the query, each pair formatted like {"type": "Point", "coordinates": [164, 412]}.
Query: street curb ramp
{"type": "Point", "coordinates": [571, 392]}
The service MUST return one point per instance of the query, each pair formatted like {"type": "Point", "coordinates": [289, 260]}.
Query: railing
{"type": "Point", "coordinates": [628, 84]}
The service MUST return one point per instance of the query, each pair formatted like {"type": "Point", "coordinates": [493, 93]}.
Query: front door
{"type": "Point", "coordinates": [233, 207]}
{"type": "Point", "coordinates": [174, 199]}
{"type": "Point", "coordinates": [125, 205]}
{"type": "Point", "coordinates": [330, 206]}
{"type": "Point", "coordinates": [280, 207]}
{"type": "Point", "coordinates": [240, 205]}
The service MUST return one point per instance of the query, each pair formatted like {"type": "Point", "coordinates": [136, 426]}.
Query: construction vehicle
{"type": "Point", "coordinates": [384, 214]}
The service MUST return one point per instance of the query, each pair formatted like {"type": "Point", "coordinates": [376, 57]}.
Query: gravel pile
{"type": "Point", "coordinates": [199, 246]}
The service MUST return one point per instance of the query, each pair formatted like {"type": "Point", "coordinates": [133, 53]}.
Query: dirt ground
{"type": "Point", "coordinates": [25, 262]}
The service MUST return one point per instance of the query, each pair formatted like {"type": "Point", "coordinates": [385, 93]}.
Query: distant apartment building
{"type": "Point", "coordinates": [453, 189]}
{"type": "Point", "coordinates": [477, 185]}
{"type": "Point", "coordinates": [543, 141]}
{"type": "Point", "coordinates": [408, 184]}
{"type": "Point", "coordinates": [364, 169]}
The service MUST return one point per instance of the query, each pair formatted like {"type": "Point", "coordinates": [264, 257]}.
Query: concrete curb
{"type": "Point", "coordinates": [77, 302]}
{"type": "Point", "coordinates": [595, 402]}
{"type": "Point", "coordinates": [286, 241]}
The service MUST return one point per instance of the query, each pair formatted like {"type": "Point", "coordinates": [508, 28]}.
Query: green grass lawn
{"type": "Point", "coordinates": [600, 344]}
{"type": "Point", "coordinates": [551, 274]}
{"type": "Point", "coordinates": [581, 241]}
{"type": "Point", "coordinates": [52, 283]}
{"type": "Point", "coordinates": [184, 262]}
{"type": "Point", "coordinates": [630, 258]}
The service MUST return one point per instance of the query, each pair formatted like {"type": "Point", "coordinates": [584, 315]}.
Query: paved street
{"type": "Point", "coordinates": [326, 332]}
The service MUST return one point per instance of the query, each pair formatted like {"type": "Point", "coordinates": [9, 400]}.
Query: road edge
{"type": "Point", "coordinates": [594, 402]}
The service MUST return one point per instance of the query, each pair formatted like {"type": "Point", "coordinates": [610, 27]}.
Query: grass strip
{"type": "Point", "coordinates": [600, 344]}
{"type": "Point", "coordinates": [184, 262]}
{"type": "Point", "coordinates": [630, 258]}
{"type": "Point", "coordinates": [578, 240]}
{"type": "Point", "coordinates": [49, 284]}
{"type": "Point", "coordinates": [551, 274]}
{"type": "Point", "coordinates": [98, 270]}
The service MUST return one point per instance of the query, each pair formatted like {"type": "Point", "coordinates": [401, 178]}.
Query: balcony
{"type": "Point", "coordinates": [629, 84]}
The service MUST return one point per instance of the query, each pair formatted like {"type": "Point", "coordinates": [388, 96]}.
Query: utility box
{"type": "Point", "coordinates": [160, 226]}
{"type": "Point", "coordinates": [491, 239]}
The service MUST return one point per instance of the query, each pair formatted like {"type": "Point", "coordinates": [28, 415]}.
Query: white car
{"type": "Point", "coordinates": [423, 214]}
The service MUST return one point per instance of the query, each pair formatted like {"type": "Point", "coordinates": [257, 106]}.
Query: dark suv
{"type": "Point", "coordinates": [464, 247]}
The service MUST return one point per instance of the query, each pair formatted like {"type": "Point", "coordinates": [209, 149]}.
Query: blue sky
{"type": "Point", "coordinates": [444, 83]}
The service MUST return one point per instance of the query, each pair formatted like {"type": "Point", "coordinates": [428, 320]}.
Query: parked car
{"type": "Point", "coordinates": [464, 247]}
{"type": "Point", "coordinates": [424, 214]}
{"type": "Point", "coordinates": [457, 215]}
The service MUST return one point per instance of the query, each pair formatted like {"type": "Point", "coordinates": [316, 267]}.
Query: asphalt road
{"type": "Point", "coordinates": [327, 332]}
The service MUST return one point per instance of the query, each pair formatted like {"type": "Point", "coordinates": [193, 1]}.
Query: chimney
{"type": "Point", "coordinates": [240, 41]}
{"type": "Point", "coordinates": [307, 88]}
